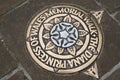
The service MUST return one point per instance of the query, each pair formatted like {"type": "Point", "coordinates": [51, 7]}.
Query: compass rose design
{"type": "Point", "coordinates": [66, 39]}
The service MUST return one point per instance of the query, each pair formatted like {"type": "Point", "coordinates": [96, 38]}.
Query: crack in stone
{"type": "Point", "coordinates": [112, 15]}
{"type": "Point", "coordinates": [105, 76]}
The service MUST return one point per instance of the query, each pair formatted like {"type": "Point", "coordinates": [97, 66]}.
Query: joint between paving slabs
{"type": "Point", "coordinates": [112, 15]}
{"type": "Point", "coordinates": [19, 68]}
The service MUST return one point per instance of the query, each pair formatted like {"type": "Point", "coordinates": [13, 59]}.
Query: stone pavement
{"type": "Point", "coordinates": [16, 64]}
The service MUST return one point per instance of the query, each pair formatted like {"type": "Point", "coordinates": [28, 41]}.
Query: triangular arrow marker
{"type": "Point", "coordinates": [92, 71]}
{"type": "Point", "coordinates": [98, 15]}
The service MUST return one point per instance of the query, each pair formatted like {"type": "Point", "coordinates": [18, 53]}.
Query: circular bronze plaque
{"type": "Point", "coordinates": [64, 39]}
